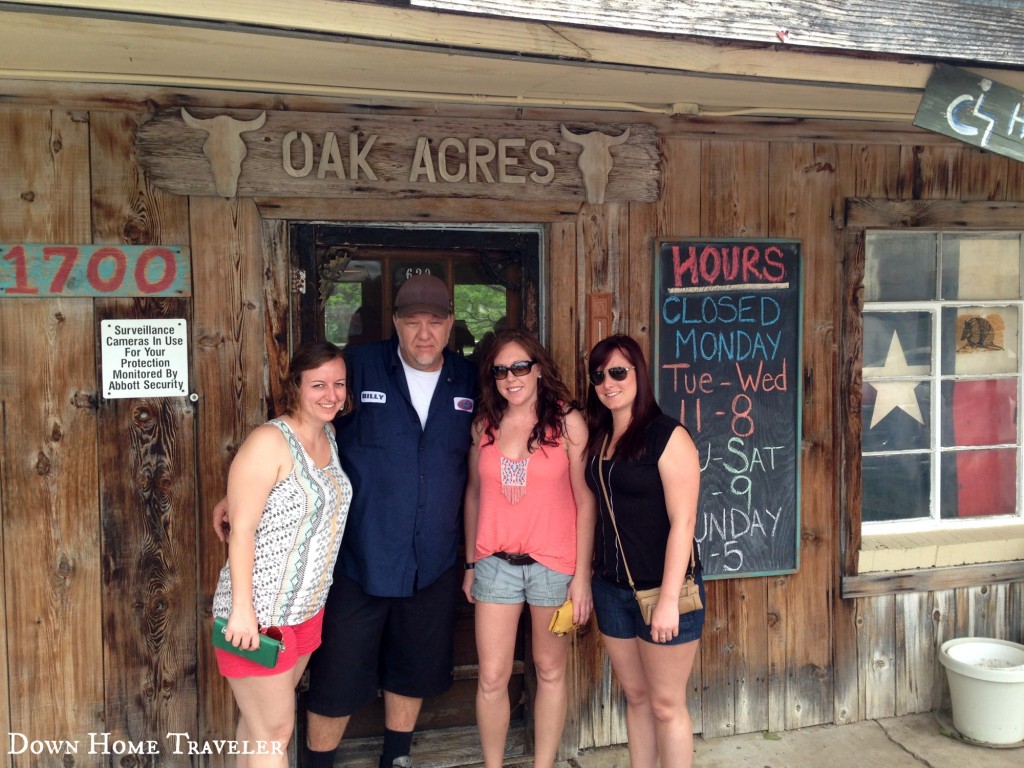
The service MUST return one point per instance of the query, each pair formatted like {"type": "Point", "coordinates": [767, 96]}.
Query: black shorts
{"type": "Point", "coordinates": [402, 645]}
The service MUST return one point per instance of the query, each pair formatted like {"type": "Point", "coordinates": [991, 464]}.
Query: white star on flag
{"type": "Point", "coordinates": [896, 394]}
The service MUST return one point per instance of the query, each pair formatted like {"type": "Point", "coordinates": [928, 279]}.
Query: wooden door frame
{"type": "Point", "coordinates": [562, 312]}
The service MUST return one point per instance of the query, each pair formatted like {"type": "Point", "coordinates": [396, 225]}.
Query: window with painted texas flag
{"type": "Point", "coordinates": [941, 433]}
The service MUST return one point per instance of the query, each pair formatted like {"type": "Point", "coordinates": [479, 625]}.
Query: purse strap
{"type": "Point", "coordinates": [611, 514]}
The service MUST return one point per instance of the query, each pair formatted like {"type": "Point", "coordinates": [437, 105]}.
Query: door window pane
{"type": "Point", "coordinates": [979, 340]}
{"type": "Point", "coordinates": [897, 344]}
{"type": "Point", "coordinates": [352, 305]}
{"type": "Point", "coordinates": [895, 487]}
{"type": "Point", "coordinates": [979, 483]}
{"type": "Point", "coordinates": [896, 416]}
{"type": "Point", "coordinates": [899, 266]}
{"type": "Point", "coordinates": [979, 412]}
{"type": "Point", "coordinates": [981, 266]}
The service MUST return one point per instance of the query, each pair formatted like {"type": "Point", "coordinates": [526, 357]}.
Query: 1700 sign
{"type": "Point", "coordinates": [37, 270]}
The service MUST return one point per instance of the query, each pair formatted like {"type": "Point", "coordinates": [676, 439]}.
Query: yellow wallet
{"type": "Point", "coordinates": [561, 623]}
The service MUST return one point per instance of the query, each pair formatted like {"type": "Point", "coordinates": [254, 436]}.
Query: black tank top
{"type": "Point", "coordinates": [638, 500]}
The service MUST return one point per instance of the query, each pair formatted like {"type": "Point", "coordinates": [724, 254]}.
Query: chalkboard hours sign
{"type": "Point", "coordinates": [727, 365]}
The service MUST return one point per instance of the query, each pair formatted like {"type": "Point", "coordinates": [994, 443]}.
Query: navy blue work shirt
{"type": "Point", "coordinates": [408, 482]}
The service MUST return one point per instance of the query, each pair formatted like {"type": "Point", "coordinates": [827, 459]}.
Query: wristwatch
{"type": "Point", "coordinates": [470, 566]}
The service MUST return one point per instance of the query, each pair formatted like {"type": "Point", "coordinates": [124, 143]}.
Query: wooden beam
{"type": "Point", "coordinates": [47, 47]}
{"type": "Point", "coordinates": [523, 37]}
{"type": "Point", "coordinates": [932, 579]}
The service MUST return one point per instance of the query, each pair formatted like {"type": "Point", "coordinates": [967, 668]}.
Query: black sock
{"type": "Point", "coordinates": [319, 759]}
{"type": "Point", "coordinates": [396, 744]}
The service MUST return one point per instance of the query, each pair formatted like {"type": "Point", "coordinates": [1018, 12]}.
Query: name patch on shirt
{"type": "Point", "coordinates": [464, 404]}
{"type": "Point", "coordinates": [373, 397]}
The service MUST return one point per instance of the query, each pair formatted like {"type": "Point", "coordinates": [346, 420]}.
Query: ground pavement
{"type": "Point", "coordinates": [912, 741]}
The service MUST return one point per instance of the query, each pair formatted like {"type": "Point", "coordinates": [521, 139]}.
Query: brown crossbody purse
{"type": "Point", "coordinates": [689, 595]}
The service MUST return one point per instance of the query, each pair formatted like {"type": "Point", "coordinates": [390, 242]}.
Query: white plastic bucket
{"type": "Point", "coordinates": [986, 685]}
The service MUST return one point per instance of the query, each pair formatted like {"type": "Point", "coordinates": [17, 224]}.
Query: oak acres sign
{"type": "Point", "coordinates": [727, 365]}
{"type": "Point", "coordinates": [293, 154]}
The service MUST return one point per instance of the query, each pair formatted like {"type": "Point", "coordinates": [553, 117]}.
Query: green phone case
{"type": "Point", "coordinates": [265, 655]}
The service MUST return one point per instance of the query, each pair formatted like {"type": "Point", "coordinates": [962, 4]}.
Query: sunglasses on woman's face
{"type": "Point", "coordinates": [618, 373]}
{"type": "Point", "coordinates": [518, 368]}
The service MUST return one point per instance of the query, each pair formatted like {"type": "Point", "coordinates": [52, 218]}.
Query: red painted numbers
{"type": "Point", "coordinates": [38, 270]}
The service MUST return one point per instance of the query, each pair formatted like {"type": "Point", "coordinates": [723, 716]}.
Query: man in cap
{"type": "Point", "coordinates": [389, 619]}
{"type": "Point", "coordinates": [390, 614]}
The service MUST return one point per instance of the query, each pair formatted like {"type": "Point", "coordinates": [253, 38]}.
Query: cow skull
{"type": "Point", "coordinates": [224, 147]}
{"type": "Point", "coordinates": [595, 161]}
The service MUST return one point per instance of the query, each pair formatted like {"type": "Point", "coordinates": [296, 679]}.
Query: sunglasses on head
{"type": "Point", "coordinates": [518, 368]}
{"type": "Point", "coordinates": [618, 373]}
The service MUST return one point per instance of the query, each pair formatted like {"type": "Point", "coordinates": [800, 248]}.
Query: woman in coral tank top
{"type": "Point", "coordinates": [529, 520]}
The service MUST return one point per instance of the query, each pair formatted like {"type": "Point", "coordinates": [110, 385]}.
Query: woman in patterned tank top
{"type": "Point", "coordinates": [287, 502]}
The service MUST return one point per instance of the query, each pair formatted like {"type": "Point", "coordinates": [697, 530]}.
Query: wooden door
{"type": "Point", "coordinates": [352, 275]}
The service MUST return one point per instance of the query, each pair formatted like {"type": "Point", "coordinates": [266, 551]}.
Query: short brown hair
{"type": "Point", "coordinates": [308, 357]}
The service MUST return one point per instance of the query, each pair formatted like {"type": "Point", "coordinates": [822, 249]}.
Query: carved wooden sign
{"type": "Point", "coordinates": [293, 154]}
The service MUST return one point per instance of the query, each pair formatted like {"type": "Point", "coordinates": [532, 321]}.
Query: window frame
{"type": "Point", "coordinates": [862, 214]}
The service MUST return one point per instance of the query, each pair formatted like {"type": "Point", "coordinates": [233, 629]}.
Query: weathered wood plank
{"type": "Point", "coordinates": [385, 23]}
{"type": "Point", "coordinates": [877, 662]}
{"type": "Point", "coordinates": [915, 653]}
{"type": "Point", "coordinates": [987, 610]}
{"type": "Point", "coordinates": [803, 181]}
{"type": "Point", "coordinates": [678, 216]}
{"type": "Point", "coordinates": [936, 173]}
{"type": "Point", "coordinates": [361, 71]}
{"type": "Point", "coordinates": [939, 26]}
{"type": "Point", "coordinates": [147, 481]}
{"type": "Point", "coordinates": [599, 264]}
{"type": "Point", "coordinates": [5, 683]}
{"type": "Point", "coordinates": [99, 96]}
{"type": "Point", "coordinates": [639, 272]}
{"type": "Point", "coordinates": [423, 210]}
{"type": "Point", "coordinates": [53, 621]}
{"type": "Point", "coordinates": [933, 579]}
{"type": "Point", "coordinates": [277, 301]}
{"type": "Point", "coordinates": [679, 208]}
{"type": "Point", "coordinates": [777, 619]}
{"type": "Point", "coordinates": [983, 175]}
{"type": "Point", "coordinates": [865, 212]}
{"type": "Point", "coordinates": [229, 366]}
{"type": "Point", "coordinates": [943, 604]}
{"type": "Point", "coordinates": [564, 330]}
{"type": "Point", "coordinates": [734, 203]}
{"type": "Point", "coordinates": [857, 167]}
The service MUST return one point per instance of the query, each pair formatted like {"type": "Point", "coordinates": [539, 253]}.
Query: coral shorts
{"type": "Point", "coordinates": [299, 640]}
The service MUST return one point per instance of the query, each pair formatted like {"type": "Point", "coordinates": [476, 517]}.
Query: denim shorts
{"type": "Point", "coordinates": [618, 614]}
{"type": "Point", "coordinates": [496, 581]}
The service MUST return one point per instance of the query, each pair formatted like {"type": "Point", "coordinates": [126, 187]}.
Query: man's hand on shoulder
{"type": "Point", "coordinates": [221, 526]}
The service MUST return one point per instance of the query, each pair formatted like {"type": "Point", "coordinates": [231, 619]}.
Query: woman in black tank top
{"type": "Point", "coordinates": [644, 466]}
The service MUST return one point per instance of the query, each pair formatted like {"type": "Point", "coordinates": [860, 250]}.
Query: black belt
{"type": "Point", "coordinates": [514, 559]}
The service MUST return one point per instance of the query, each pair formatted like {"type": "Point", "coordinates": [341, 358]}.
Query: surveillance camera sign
{"type": "Point", "coordinates": [144, 358]}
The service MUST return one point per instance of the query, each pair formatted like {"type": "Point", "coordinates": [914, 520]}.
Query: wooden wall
{"type": "Point", "coordinates": [786, 652]}
{"type": "Point", "coordinates": [108, 561]}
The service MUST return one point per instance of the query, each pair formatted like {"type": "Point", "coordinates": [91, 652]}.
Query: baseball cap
{"type": "Point", "coordinates": [423, 293]}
